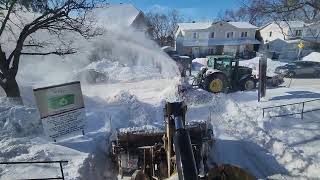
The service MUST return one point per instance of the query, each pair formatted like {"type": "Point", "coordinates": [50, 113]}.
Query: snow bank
{"type": "Point", "coordinates": [141, 129]}
{"type": "Point", "coordinates": [314, 56]}
{"type": "Point", "coordinates": [116, 72]}
{"type": "Point", "coordinates": [254, 64]}
{"type": "Point", "coordinates": [19, 121]}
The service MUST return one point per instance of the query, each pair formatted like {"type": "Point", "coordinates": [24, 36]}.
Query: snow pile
{"type": "Point", "coordinates": [127, 111]}
{"type": "Point", "coordinates": [254, 64]}
{"type": "Point", "coordinates": [19, 121]}
{"type": "Point", "coordinates": [116, 72]}
{"type": "Point", "coordinates": [314, 56]}
{"type": "Point", "coordinates": [149, 129]}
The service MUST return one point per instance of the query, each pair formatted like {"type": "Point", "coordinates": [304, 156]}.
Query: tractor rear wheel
{"type": "Point", "coordinates": [248, 84]}
{"type": "Point", "coordinates": [215, 83]}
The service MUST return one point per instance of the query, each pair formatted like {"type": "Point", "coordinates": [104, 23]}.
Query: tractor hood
{"type": "Point", "coordinates": [211, 71]}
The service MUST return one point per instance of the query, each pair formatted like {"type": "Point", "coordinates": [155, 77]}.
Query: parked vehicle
{"type": "Point", "coordinates": [300, 69]}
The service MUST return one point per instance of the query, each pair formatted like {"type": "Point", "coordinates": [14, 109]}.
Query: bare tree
{"type": "Point", "coordinates": [54, 17]}
{"type": "Point", "coordinates": [283, 11]}
{"type": "Point", "coordinates": [245, 13]}
{"type": "Point", "coordinates": [163, 26]}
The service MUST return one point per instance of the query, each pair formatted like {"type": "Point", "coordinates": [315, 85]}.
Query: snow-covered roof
{"type": "Point", "coordinates": [121, 15]}
{"type": "Point", "coordinates": [191, 26]}
{"type": "Point", "coordinates": [243, 25]}
{"type": "Point", "coordinates": [206, 25]}
{"type": "Point", "coordinates": [291, 24]}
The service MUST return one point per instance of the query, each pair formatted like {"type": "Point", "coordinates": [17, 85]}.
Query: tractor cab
{"type": "Point", "coordinates": [223, 63]}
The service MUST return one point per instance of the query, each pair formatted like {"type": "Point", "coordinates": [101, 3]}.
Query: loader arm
{"type": "Point", "coordinates": [185, 161]}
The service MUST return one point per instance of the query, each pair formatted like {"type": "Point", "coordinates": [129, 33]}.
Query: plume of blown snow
{"type": "Point", "coordinates": [137, 54]}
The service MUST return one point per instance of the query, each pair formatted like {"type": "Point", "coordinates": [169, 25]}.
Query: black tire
{"type": "Point", "coordinates": [248, 84]}
{"type": "Point", "coordinates": [291, 74]}
{"type": "Point", "coordinates": [216, 83]}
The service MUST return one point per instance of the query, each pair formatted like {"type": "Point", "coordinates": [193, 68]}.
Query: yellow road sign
{"type": "Point", "coordinates": [300, 45]}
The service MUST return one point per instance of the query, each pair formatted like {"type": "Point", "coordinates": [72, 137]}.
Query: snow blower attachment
{"type": "Point", "coordinates": [181, 151]}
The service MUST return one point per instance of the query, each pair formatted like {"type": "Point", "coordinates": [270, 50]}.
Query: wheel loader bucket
{"type": "Point", "coordinates": [229, 172]}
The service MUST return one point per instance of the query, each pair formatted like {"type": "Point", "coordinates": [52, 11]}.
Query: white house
{"type": "Point", "coordinates": [284, 36]}
{"type": "Point", "coordinates": [121, 16]}
{"type": "Point", "coordinates": [207, 38]}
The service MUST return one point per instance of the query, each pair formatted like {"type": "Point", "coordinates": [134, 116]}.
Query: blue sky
{"type": "Point", "coordinates": [198, 10]}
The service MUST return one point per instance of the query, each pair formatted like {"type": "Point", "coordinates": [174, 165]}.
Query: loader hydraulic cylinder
{"type": "Point", "coordinates": [186, 164]}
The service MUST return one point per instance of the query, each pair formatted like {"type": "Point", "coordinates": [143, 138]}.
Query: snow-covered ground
{"type": "Point", "coordinates": [267, 147]}
{"type": "Point", "coordinates": [143, 79]}
{"type": "Point", "coordinates": [279, 147]}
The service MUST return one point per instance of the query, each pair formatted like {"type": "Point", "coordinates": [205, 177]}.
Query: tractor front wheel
{"type": "Point", "coordinates": [248, 84]}
{"type": "Point", "coordinates": [215, 83]}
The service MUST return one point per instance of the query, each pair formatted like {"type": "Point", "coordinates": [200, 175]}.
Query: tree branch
{"type": "Point", "coordinates": [4, 23]}
{"type": "Point", "coordinates": [59, 53]}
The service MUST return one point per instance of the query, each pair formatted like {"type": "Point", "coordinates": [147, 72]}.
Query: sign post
{"type": "Point", "coordinates": [262, 77]}
{"type": "Point", "coordinates": [61, 109]}
{"type": "Point", "coordinates": [300, 46]}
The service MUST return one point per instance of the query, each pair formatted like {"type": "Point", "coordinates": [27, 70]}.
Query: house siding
{"type": "Point", "coordinates": [285, 41]}
{"type": "Point", "coordinates": [199, 43]}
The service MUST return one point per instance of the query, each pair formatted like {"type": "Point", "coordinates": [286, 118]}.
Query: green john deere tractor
{"type": "Point", "coordinates": [223, 74]}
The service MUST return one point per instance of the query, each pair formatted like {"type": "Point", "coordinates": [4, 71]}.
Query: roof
{"type": "Point", "coordinates": [115, 15]}
{"type": "Point", "coordinates": [291, 24]}
{"type": "Point", "coordinates": [191, 26]}
{"type": "Point", "coordinates": [206, 25]}
{"type": "Point", "coordinates": [243, 25]}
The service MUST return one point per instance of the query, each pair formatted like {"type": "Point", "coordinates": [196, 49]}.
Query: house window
{"type": "Point", "coordinates": [211, 51]}
{"type": "Point", "coordinates": [298, 33]}
{"type": "Point", "coordinates": [229, 34]}
{"type": "Point", "coordinates": [194, 35]}
{"type": "Point", "coordinates": [244, 34]}
{"type": "Point", "coordinates": [270, 33]}
{"type": "Point", "coordinates": [212, 35]}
